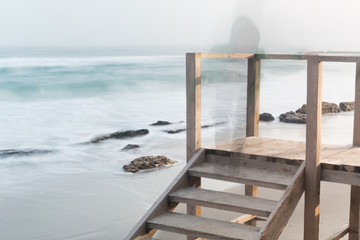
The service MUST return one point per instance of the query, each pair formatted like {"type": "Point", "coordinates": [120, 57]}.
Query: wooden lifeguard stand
{"type": "Point", "coordinates": [291, 166]}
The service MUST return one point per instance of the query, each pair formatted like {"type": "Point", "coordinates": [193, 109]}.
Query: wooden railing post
{"type": "Point", "coordinates": [193, 117]}
{"type": "Point", "coordinates": [252, 109]}
{"type": "Point", "coordinates": [355, 190]}
{"type": "Point", "coordinates": [313, 143]}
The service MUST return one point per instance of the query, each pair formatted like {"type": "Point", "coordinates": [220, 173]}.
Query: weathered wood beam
{"type": "Point", "coordinates": [193, 117]}
{"type": "Point", "coordinates": [227, 55]}
{"type": "Point", "coordinates": [313, 144]}
{"type": "Point", "coordinates": [278, 219]}
{"type": "Point", "coordinates": [339, 234]}
{"type": "Point", "coordinates": [354, 218]}
{"type": "Point", "coordinates": [162, 204]}
{"type": "Point", "coordinates": [252, 108]}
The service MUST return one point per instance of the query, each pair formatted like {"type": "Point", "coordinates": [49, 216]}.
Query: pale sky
{"type": "Point", "coordinates": [282, 24]}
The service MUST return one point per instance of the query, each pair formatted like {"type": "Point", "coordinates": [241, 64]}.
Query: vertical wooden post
{"type": "Point", "coordinates": [313, 143]}
{"type": "Point", "coordinates": [193, 117]}
{"type": "Point", "coordinates": [354, 218]}
{"type": "Point", "coordinates": [252, 111]}
{"type": "Point", "coordinates": [253, 98]}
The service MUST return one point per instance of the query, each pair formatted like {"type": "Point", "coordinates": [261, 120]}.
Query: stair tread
{"type": "Point", "coordinates": [224, 201]}
{"type": "Point", "coordinates": [203, 227]}
{"type": "Point", "coordinates": [242, 174]}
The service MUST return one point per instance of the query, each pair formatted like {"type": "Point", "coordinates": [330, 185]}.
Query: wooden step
{"type": "Point", "coordinates": [224, 201]}
{"type": "Point", "coordinates": [241, 174]}
{"type": "Point", "coordinates": [203, 227]}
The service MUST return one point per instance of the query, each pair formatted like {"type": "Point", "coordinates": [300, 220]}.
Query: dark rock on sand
{"type": "Point", "coordinates": [266, 117]}
{"type": "Point", "coordinates": [175, 131]}
{"type": "Point", "coordinates": [347, 106]}
{"type": "Point", "coordinates": [130, 146]}
{"type": "Point", "coordinates": [326, 108]}
{"type": "Point", "coordinates": [292, 117]}
{"type": "Point", "coordinates": [147, 162]}
{"type": "Point", "coordinates": [161, 123]}
{"type": "Point", "coordinates": [22, 152]}
{"type": "Point", "coordinates": [120, 135]}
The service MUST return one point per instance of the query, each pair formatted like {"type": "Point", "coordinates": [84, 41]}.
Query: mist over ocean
{"type": "Point", "coordinates": [56, 99]}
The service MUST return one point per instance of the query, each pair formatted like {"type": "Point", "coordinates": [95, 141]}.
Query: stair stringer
{"type": "Point", "coordinates": [162, 204]}
{"type": "Point", "coordinates": [280, 216]}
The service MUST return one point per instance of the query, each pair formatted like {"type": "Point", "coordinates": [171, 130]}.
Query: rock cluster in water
{"type": "Point", "coordinates": [120, 135]}
{"type": "Point", "coordinates": [326, 108]}
{"type": "Point", "coordinates": [292, 117]}
{"type": "Point", "coordinates": [347, 106]}
{"type": "Point", "coordinates": [300, 115]}
{"type": "Point", "coordinates": [266, 117]}
{"type": "Point", "coordinates": [147, 162]}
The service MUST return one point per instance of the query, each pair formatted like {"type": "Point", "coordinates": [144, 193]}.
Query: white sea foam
{"type": "Point", "coordinates": [15, 62]}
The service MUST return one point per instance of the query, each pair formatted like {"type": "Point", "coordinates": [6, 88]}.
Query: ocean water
{"type": "Point", "coordinates": [58, 99]}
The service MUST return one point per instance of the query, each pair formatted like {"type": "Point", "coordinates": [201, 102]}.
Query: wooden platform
{"type": "Point", "coordinates": [339, 164]}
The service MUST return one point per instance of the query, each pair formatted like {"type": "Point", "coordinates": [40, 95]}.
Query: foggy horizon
{"type": "Point", "coordinates": [304, 26]}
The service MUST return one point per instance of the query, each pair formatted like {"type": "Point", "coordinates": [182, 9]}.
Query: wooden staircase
{"type": "Point", "coordinates": [226, 166]}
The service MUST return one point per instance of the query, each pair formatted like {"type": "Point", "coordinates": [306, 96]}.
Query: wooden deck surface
{"type": "Point", "coordinates": [333, 157]}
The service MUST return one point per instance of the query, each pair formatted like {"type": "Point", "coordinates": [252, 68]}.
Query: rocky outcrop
{"type": "Point", "coordinates": [147, 162]}
{"type": "Point", "coordinates": [130, 146]}
{"type": "Point", "coordinates": [347, 106]}
{"type": "Point", "coordinates": [161, 123]}
{"type": "Point", "coordinates": [326, 108]}
{"type": "Point", "coordinates": [266, 117]}
{"type": "Point", "coordinates": [292, 117]}
{"type": "Point", "coordinates": [120, 135]}
{"type": "Point", "coordinates": [22, 152]}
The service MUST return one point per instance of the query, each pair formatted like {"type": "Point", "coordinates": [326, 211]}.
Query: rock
{"type": "Point", "coordinates": [175, 131]}
{"type": "Point", "coordinates": [161, 123]}
{"type": "Point", "coordinates": [22, 152]}
{"type": "Point", "coordinates": [292, 117]}
{"type": "Point", "coordinates": [212, 125]}
{"type": "Point", "coordinates": [130, 146]}
{"type": "Point", "coordinates": [120, 135]}
{"type": "Point", "coordinates": [347, 106]}
{"type": "Point", "coordinates": [326, 108]}
{"type": "Point", "coordinates": [184, 129]}
{"type": "Point", "coordinates": [147, 162]}
{"type": "Point", "coordinates": [266, 117]}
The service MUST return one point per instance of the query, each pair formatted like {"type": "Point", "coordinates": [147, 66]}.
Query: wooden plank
{"type": "Point", "coordinates": [313, 143]}
{"type": "Point", "coordinates": [224, 201]}
{"type": "Point", "coordinates": [162, 205]}
{"type": "Point", "coordinates": [278, 219]}
{"type": "Point", "coordinates": [227, 55]}
{"type": "Point", "coordinates": [193, 104]}
{"type": "Point", "coordinates": [243, 218]}
{"type": "Point", "coordinates": [253, 98]}
{"type": "Point", "coordinates": [252, 108]}
{"type": "Point", "coordinates": [339, 176]}
{"type": "Point", "coordinates": [354, 213]}
{"type": "Point", "coordinates": [202, 227]}
{"type": "Point", "coordinates": [239, 174]}
{"type": "Point", "coordinates": [339, 234]}
{"type": "Point", "coordinates": [356, 135]}
{"type": "Point", "coordinates": [354, 218]}
{"type": "Point", "coordinates": [277, 165]}
{"type": "Point", "coordinates": [281, 56]}
{"type": "Point", "coordinates": [193, 116]}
